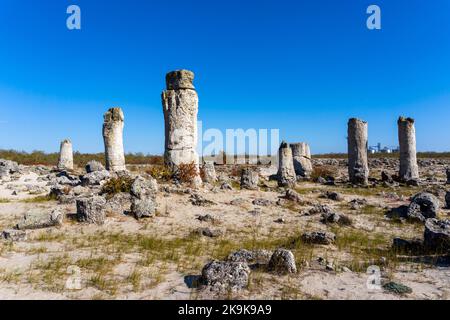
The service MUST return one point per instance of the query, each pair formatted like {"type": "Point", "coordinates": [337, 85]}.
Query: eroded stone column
{"type": "Point", "coordinates": [358, 168]}
{"type": "Point", "coordinates": [286, 171]}
{"type": "Point", "coordinates": [65, 161]}
{"type": "Point", "coordinates": [113, 139]}
{"type": "Point", "coordinates": [301, 154]}
{"type": "Point", "coordinates": [180, 106]}
{"type": "Point", "coordinates": [409, 169]}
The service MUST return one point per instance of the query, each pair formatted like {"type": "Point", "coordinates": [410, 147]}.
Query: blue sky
{"type": "Point", "coordinates": [304, 67]}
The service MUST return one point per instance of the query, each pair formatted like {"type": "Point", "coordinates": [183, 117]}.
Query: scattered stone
{"type": "Point", "coordinates": [423, 206]}
{"type": "Point", "coordinates": [198, 200]}
{"type": "Point", "coordinates": [386, 177]}
{"type": "Point", "coordinates": [318, 208]}
{"type": "Point", "coordinates": [261, 202]}
{"type": "Point", "coordinates": [249, 179]}
{"type": "Point", "coordinates": [282, 261]}
{"type": "Point", "coordinates": [280, 220]}
{"type": "Point", "coordinates": [226, 186]}
{"type": "Point", "coordinates": [93, 166]}
{"type": "Point", "coordinates": [91, 210]}
{"type": "Point", "coordinates": [14, 235]}
{"type": "Point", "coordinates": [237, 202]}
{"type": "Point", "coordinates": [224, 275]}
{"type": "Point", "coordinates": [447, 172]}
{"type": "Point", "coordinates": [254, 256]}
{"type": "Point", "coordinates": [437, 234]}
{"type": "Point", "coordinates": [397, 288]}
{"type": "Point", "coordinates": [41, 220]}
{"type": "Point", "coordinates": [206, 218]}
{"type": "Point", "coordinates": [320, 237]}
{"type": "Point", "coordinates": [143, 208]}
{"type": "Point", "coordinates": [402, 245]}
{"type": "Point", "coordinates": [292, 196]}
{"type": "Point", "coordinates": [120, 203]}
{"type": "Point", "coordinates": [8, 167]}
{"type": "Point", "coordinates": [144, 188]}
{"type": "Point", "coordinates": [209, 172]}
{"type": "Point", "coordinates": [335, 196]}
{"type": "Point", "coordinates": [207, 232]}
{"type": "Point", "coordinates": [79, 190]}
{"type": "Point", "coordinates": [447, 199]}
{"type": "Point", "coordinates": [95, 178]}
{"type": "Point", "coordinates": [333, 217]}
{"type": "Point", "coordinates": [357, 204]}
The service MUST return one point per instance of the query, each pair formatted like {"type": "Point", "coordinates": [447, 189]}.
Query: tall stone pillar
{"type": "Point", "coordinates": [180, 106]}
{"type": "Point", "coordinates": [301, 154]}
{"type": "Point", "coordinates": [65, 161]}
{"type": "Point", "coordinates": [286, 171]}
{"type": "Point", "coordinates": [358, 168]}
{"type": "Point", "coordinates": [409, 169]}
{"type": "Point", "coordinates": [113, 139]}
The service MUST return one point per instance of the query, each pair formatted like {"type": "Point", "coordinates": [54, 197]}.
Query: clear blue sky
{"type": "Point", "coordinates": [304, 67]}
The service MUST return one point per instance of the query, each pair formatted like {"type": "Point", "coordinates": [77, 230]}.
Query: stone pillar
{"type": "Point", "coordinates": [302, 159]}
{"type": "Point", "coordinates": [286, 171]}
{"type": "Point", "coordinates": [65, 161]}
{"type": "Point", "coordinates": [358, 168]}
{"type": "Point", "coordinates": [407, 141]}
{"type": "Point", "coordinates": [113, 138]}
{"type": "Point", "coordinates": [180, 106]}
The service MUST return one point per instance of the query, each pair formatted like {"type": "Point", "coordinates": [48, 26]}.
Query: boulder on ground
{"type": "Point", "coordinates": [14, 235]}
{"type": "Point", "coordinates": [249, 179]}
{"type": "Point", "coordinates": [91, 210]}
{"type": "Point", "coordinates": [37, 220]}
{"type": "Point", "coordinates": [437, 235]}
{"type": "Point", "coordinates": [144, 188]}
{"type": "Point", "coordinates": [224, 275]}
{"type": "Point", "coordinates": [93, 166]}
{"type": "Point", "coordinates": [282, 261]}
{"type": "Point", "coordinates": [259, 256]}
{"type": "Point", "coordinates": [423, 206]}
{"type": "Point", "coordinates": [95, 178]}
{"type": "Point", "coordinates": [143, 208]}
{"type": "Point", "coordinates": [320, 237]}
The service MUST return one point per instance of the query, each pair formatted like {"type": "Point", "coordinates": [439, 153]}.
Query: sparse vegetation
{"type": "Point", "coordinates": [186, 172]}
{"type": "Point", "coordinates": [80, 159]}
{"type": "Point", "coordinates": [117, 185]}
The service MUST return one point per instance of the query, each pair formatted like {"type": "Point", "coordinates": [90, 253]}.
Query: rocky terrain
{"type": "Point", "coordinates": [89, 233]}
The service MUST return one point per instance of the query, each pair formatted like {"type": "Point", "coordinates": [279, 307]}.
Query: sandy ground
{"type": "Point", "coordinates": [156, 258]}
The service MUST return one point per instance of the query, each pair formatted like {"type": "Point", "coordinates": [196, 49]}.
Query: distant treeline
{"type": "Point", "coordinates": [423, 155]}
{"type": "Point", "coordinates": [79, 159]}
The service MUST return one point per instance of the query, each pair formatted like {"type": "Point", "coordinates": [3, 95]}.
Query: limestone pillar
{"type": "Point", "coordinates": [180, 106]}
{"type": "Point", "coordinates": [65, 161]}
{"type": "Point", "coordinates": [302, 159]}
{"type": "Point", "coordinates": [286, 171]}
{"type": "Point", "coordinates": [409, 169]}
{"type": "Point", "coordinates": [358, 168]}
{"type": "Point", "coordinates": [113, 139]}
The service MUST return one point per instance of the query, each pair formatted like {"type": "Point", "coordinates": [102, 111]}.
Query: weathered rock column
{"type": "Point", "coordinates": [113, 138]}
{"type": "Point", "coordinates": [358, 168]}
{"type": "Point", "coordinates": [302, 159]}
{"type": "Point", "coordinates": [180, 106]}
{"type": "Point", "coordinates": [65, 161]}
{"type": "Point", "coordinates": [286, 171]}
{"type": "Point", "coordinates": [407, 141]}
